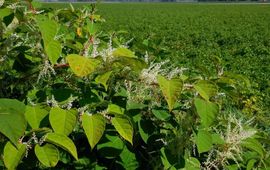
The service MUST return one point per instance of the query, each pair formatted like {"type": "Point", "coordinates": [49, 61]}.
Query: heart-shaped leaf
{"type": "Point", "coordinates": [48, 155]}
{"type": "Point", "coordinates": [94, 127]}
{"type": "Point", "coordinates": [206, 89]}
{"type": "Point", "coordinates": [203, 141]}
{"type": "Point", "coordinates": [63, 142]}
{"type": "Point", "coordinates": [171, 89]}
{"type": "Point", "coordinates": [34, 115]}
{"type": "Point", "coordinates": [12, 120]}
{"type": "Point", "coordinates": [206, 110]}
{"type": "Point", "coordinates": [62, 121]}
{"type": "Point", "coordinates": [123, 126]}
{"type": "Point", "coordinates": [82, 66]}
{"type": "Point", "coordinates": [13, 155]}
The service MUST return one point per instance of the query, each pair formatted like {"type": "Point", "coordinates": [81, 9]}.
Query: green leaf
{"type": "Point", "coordinates": [111, 148]}
{"type": "Point", "coordinates": [146, 129]}
{"type": "Point", "coordinates": [82, 66]}
{"type": "Point", "coordinates": [62, 121]}
{"type": "Point", "coordinates": [123, 126]}
{"type": "Point", "coordinates": [192, 164]}
{"type": "Point", "coordinates": [171, 89]}
{"type": "Point", "coordinates": [12, 155]}
{"type": "Point", "coordinates": [216, 139]}
{"type": "Point", "coordinates": [62, 141]}
{"type": "Point", "coordinates": [48, 155]}
{"type": "Point", "coordinates": [47, 27]}
{"type": "Point", "coordinates": [92, 27]}
{"type": "Point", "coordinates": [94, 127]}
{"type": "Point", "coordinates": [206, 110]}
{"type": "Point", "coordinates": [123, 52]}
{"type": "Point", "coordinates": [253, 144]}
{"type": "Point", "coordinates": [161, 114]}
{"type": "Point", "coordinates": [129, 160]}
{"type": "Point", "coordinates": [113, 108]}
{"type": "Point", "coordinates": [206, 89]}
{"type": "Point", "coordinates": [103, 79]}
{"type": "Point", "coordinates": [34, 115]}
{"type": "Point", "coordinates": [203, 141]}
{"type": "Point", "coordinates": [12, 120]}
{"type": "Point", "coordinates": [53, 50]}
{"type": "Point", "coordinates": [250, 164]}
{"type": "Point", "coordinates": [5, 12]}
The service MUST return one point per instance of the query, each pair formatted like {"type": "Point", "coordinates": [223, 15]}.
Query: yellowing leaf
{"type": "Point", "coordinates": [94, 127]}
{"type": "Point", "coordinates": [82, 66]}
{"type": "Point", "coordinates": [171, 89]}
{"type": "Point", "coordinates": [123, 126]}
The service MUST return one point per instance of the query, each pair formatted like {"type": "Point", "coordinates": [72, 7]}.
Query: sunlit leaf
{"type": "Point", "coordinates": [123, 52]}
{"type": "Point", "coordinates": [103, 79]}
{"type": "Point", "coordinates": [82, 66]}
{"type": "Point", "coordinates": [171, 89]}
{"type": "Point", "coordinates": [206, 110]}
{"type": "Point", "coordinates": [62, 121]}
{"type": "Point", "coordinates": [34, 115]}
{"type": "Point", "coordinates": [94, 127]}
{"type": "Point", "coordinates": [123, 126]}
{"type": "Point", "coordinates": [63, 142]}
{"type": "Point", "coordinates": [206, 89]}
{"type": "Point", "coordinates": [203, 141]}
{"type": "Point", "coordinates": [48, 155]}
{"type": "Point", "coordinates": [13, 155]}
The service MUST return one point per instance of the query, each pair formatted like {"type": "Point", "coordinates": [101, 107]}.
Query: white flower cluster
{"type": "Point", "coordinates": [46, 71]}
{"type": "Point", "coordinates": [149, 75]}
{"type": "Point", "coordinates": [234, 136]}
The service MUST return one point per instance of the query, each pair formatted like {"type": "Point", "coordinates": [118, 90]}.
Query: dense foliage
{"type": "Point", "coordinates": [76, 97]}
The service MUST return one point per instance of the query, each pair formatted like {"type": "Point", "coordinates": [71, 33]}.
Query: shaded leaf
{"type": "Point", "coordinates": [12, 120]}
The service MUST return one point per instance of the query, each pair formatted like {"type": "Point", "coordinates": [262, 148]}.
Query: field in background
{"type": "Point", "coordinates": [194, 33]}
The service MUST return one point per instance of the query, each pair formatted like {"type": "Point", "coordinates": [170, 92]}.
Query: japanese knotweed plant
{"type": "Point", "coordinates": [74, 97]}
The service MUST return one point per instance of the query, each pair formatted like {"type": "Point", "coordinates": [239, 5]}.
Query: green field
{"type": "Point", "coordinates": [191, 34]}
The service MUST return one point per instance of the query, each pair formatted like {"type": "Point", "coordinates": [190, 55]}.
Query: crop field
{"type": "Point", "coordinates": [134, 86]}
{"type": "Point", "coordinates": [191, 34]}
